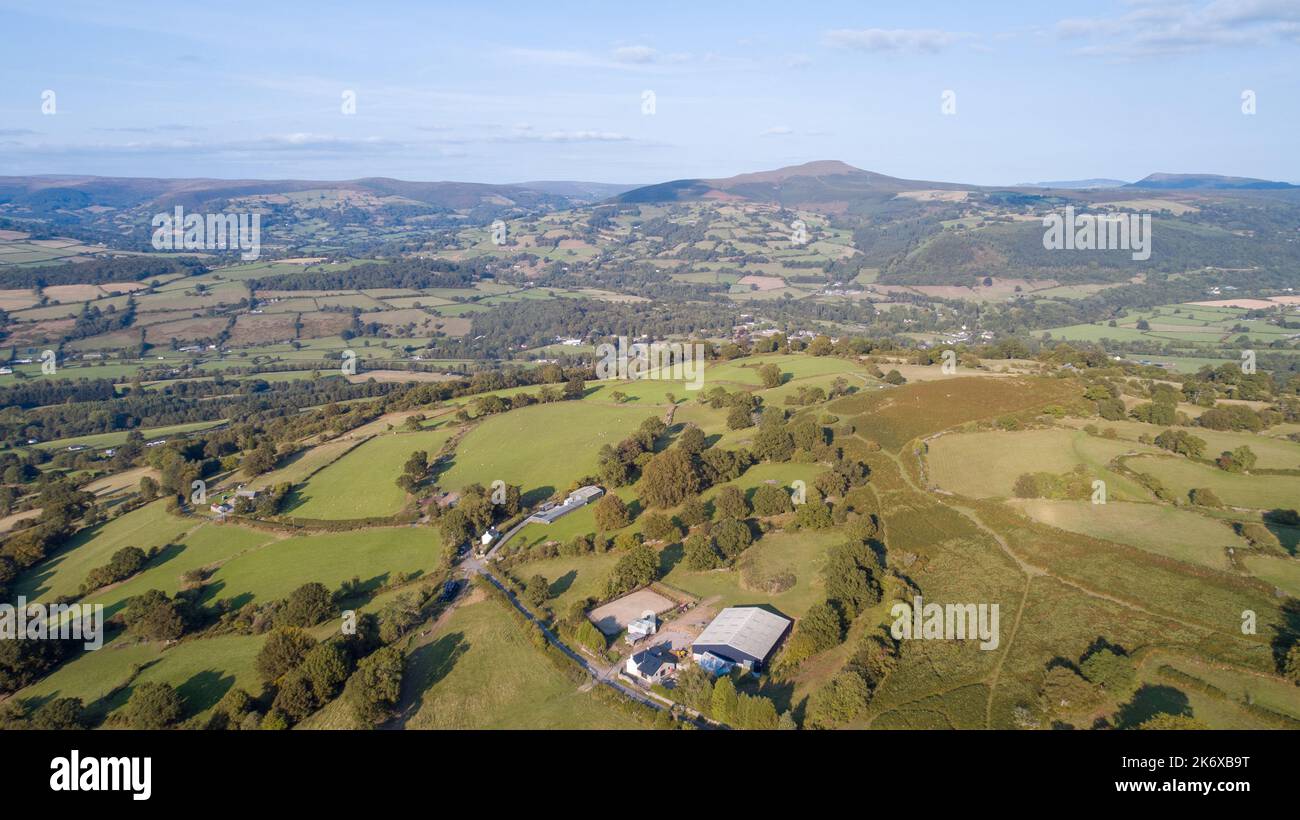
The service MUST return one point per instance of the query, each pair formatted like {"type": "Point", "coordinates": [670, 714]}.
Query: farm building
{"type": "Point", "coordinates": [642, 627]}
{"type": "Point", "coordinates": [578, 498]}
{"type": "Point", "coordinates": [740, 635]}
{"type": "Point", "coordinates": [652, 666]}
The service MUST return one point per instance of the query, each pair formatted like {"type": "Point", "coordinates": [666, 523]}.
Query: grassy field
{"type": "Point", "coordinates": [893, 417]}
{"type": "Point", "coordinates": [201, 670]}
{"type": "Point", "coordinates": [542, 448]}
{"type": "Point", "coordinates": [480, 672]}
{"type": "Point", "coordinates": [362, 484]}
{"type": "Point", "coordinates": [1181, 475]}
{"type": "Point", "coordinates": [987, 464]}
{"type": "Point", "coordinates": [801, 553]}
{"type": "Point", "coordinates": [63, 572]}
{"type": "Point", "coordinates": [1200, 540]}
{"type": "Point", "coordinates": [1273, 453]}
{"type": "Point", "coordinates": [281, 566]}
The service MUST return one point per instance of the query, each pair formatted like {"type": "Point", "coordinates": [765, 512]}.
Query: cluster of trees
{"type": "Point", "coordinates": [846, 696]}
{"type": "Point", "coordinates": [122, 565]}
{"type": "Point", "coordinates": [1105, 676]}
{"type": "Point", "coordinates": [1076, 485]}
{"type": "Point", "coordinates": [175, 406]}
{"type": "Point", "coordinates": [718, 699]}
{"type": "Point", "coordinates": [414, 272]}
{"type": "Point", "coordinates": [64, 509]}
{"type": "Point", "coordinates": [102, 270]}
{"type": "Point", "coordinates": [473, 513]}
{"type": "Point", "coordinates": [852, 576]}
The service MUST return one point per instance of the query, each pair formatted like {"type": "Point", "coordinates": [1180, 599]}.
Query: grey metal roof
{"type": "Point", "coordinates": [749, 629]}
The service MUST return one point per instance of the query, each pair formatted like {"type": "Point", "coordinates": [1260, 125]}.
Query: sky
{"type": "Point", "coordinates": [977, 92]}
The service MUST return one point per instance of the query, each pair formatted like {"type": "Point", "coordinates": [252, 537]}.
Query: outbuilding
{"type": "Point", "coordinates": [741, 635]}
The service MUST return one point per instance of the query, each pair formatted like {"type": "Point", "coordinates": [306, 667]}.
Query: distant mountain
{"type": "Point", "coordinates": [1076, 184]}
{"type": "Point", "coordinates": [826, 185]}
{"type": "Point", "coordinates": [1210, 181]}
{"type": "Point", "coordinates": [577, 191]}
{"type": "Point", "coordinates": [70, 193]}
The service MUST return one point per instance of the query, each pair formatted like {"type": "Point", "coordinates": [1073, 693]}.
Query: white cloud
{"type": "Point", "coordinates": [924, 40]}
{"type": "Point", "coordinates": [636, 54]}
{"type": "Point", "coordinates": [1163, 29]}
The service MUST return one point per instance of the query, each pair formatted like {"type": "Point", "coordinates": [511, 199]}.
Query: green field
{"type": "Point", "coordinates": [542, 448]}
{"type": "Point", "coordinates": [987, 464]}
{"type": "Point", "coordinates": [480, 672]}
{"type": "Point", "coordinates": [1199, 540]}
{"type": "Point", "coordinates": [1273, 453]}
{"type": "Point", "coordinates": [1259, 492]}
{"type": "Point", "coordinates": [362, 484]}
{"type": "Point", "coordinates": [64, 572]}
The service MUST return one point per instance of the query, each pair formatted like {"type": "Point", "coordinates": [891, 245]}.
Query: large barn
{"type": "Point", "coordinates": [741, 636]}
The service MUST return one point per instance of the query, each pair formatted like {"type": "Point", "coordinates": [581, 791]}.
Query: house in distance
{"type": "Point", "coordinates": [578, 498]}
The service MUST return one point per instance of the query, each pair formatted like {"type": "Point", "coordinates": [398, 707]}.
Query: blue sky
{"type": "Point", "coordinates": [504, 92]}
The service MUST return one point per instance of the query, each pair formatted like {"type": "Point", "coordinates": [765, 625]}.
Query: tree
{"type": "Point", "coordinates": [770, 374]}
{"type": "Point", "coordinates": [295, 697]}
{"type": "Point", "coordinates": [574, 388]}
{"type": "Point", "coordinates": [456, 528]}
{"type": "Point", "coordinates": [398, 616]}
{"type": "Point", "coordinates": [153, 616]}
{"type": "Point", "coordinates": [659, 527]}
{"type": "Point", "coordinates": [611, 513]}
{"type": "Point", "coordinates": [821, 345]}
{"type": "Point", "coordinates": [1204, 497]}
{"type": "Point", "coordinates": [692, 440]}
{"type": "Point", "coordinates": [840, 701]}
{"type": "Point", "coordinates": [732, 537]}
{"type": "Point", "coordinates": [730, 503]}
{"type": "Point", "coordinates": [692, 512]}
{"type": "Point", "coordinates": [375, 687]}
{"type": "Point", "coordinates": [894, 377]}
{"type": "Point", "coordinates": [284, 650]}
{"type": "Point", "coordinates": [1111, 671]}
{"type": "Point", "coordinates": [148, 488]}
{"type": "Point", "coordinates": [308, 605]}
{"type": "Point", "coordinates": [700, 554]}
{"type": "Point", "coordinates": [739, 417]}
{"type": "Point", "coordinates": [773, 442]}
{"type": "Point", "coordinates": [326, 668]}
{"type": "Point", "coordinates": [807, 434]}
{"type": "Point", "coordinates": [60, 713]}
{"type": "Point", "coordinates": [1240, 460]}
{"type": "Point", "coordinates": [813, 515]}
{"type": "Point", "coordinates": [850, 579]}
{"type": "Point", "coordinates": [770, 499]}
{"type": "Point", "coordinates": [722, 706]}
{"type": "Point", "coordinates": [669, 478]}
{"type": "Point", "coordinates": [153, 706]}
{"type": "Point", "coordinates": [1181, 442]}
{"type": "Point", "coordinates": [821, 627]}
{"type": "Point", "coordinates": [635, 568]}
{"type": "Point", "coordinates": [537, 591]}
{"type": "Point", "coordinates": [1291, 666]}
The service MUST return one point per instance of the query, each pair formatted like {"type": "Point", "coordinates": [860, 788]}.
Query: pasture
{"type": "Point", "coordinates": [480, 672]}
{"type": "Point", "coordinates": [1259, 492]}
{"type": "Point", "coordinates": [362, 483]}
